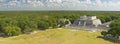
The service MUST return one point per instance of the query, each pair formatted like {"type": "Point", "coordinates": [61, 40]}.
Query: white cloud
{"type": "Point", "coordinates": [65, 4]}
{"type": "Point", "coordinates": [1, 0]}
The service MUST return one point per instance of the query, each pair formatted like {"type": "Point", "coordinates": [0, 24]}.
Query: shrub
{"type": "Point", "coordinates": [11, 30]}
{"type": "Point", "coordinates": [104, 33]}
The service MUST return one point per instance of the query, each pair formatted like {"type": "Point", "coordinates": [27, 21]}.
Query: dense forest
{"type": "Point", "coordinates": [13, 23]}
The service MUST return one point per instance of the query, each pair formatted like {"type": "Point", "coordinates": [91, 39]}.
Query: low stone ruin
{"type": "Point", "coordinates": [64, 19]}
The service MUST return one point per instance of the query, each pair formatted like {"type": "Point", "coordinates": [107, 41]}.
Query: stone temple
{"type": "Point", "coordinates": [87, 21]}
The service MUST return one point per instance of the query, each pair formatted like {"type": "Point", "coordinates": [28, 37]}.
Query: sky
{"type": "Point", "coordinates": [100, 5]}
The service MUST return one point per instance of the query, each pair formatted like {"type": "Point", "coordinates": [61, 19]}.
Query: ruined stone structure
{"type": "Point", "coordinates": [64, 19]}
{"type": "Point", "coordinates": [87, 21]}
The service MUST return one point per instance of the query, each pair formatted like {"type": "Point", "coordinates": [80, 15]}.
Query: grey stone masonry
{"type": "Point", "coordinates": [87, 21]}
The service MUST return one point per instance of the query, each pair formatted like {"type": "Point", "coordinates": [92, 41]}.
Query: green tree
{"type": "Point", "coordinates": [114, 31]}
{"type": "Point", "coordinates": [104, 33]}
{"type": "Point", "coordinates": [11, 30]}
{"type": "Point", "coordinates": [42, 25]}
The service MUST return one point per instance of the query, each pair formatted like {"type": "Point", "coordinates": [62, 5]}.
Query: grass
{"type": "Point", "coordinates": [57, 36]}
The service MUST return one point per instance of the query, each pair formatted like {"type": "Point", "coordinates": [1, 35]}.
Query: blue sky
{"type": "Point", "coordinates": [100, 5]}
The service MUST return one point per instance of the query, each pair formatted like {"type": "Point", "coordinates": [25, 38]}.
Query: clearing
{"type": "Point", "coordinates": [56, 36]}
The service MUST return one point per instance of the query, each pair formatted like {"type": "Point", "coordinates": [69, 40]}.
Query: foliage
{"type": "Point", "coordinates": [104, 33]}
{"type": "Point", "coordinates": [27, 21]}
{"type": "Point", "coordinates": [114, 29]}
{"type": "Point", "coordinates": [11, 30]}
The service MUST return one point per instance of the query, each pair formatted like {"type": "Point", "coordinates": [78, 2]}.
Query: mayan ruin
{"type": "Point", "coordinates": [87, 21]}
